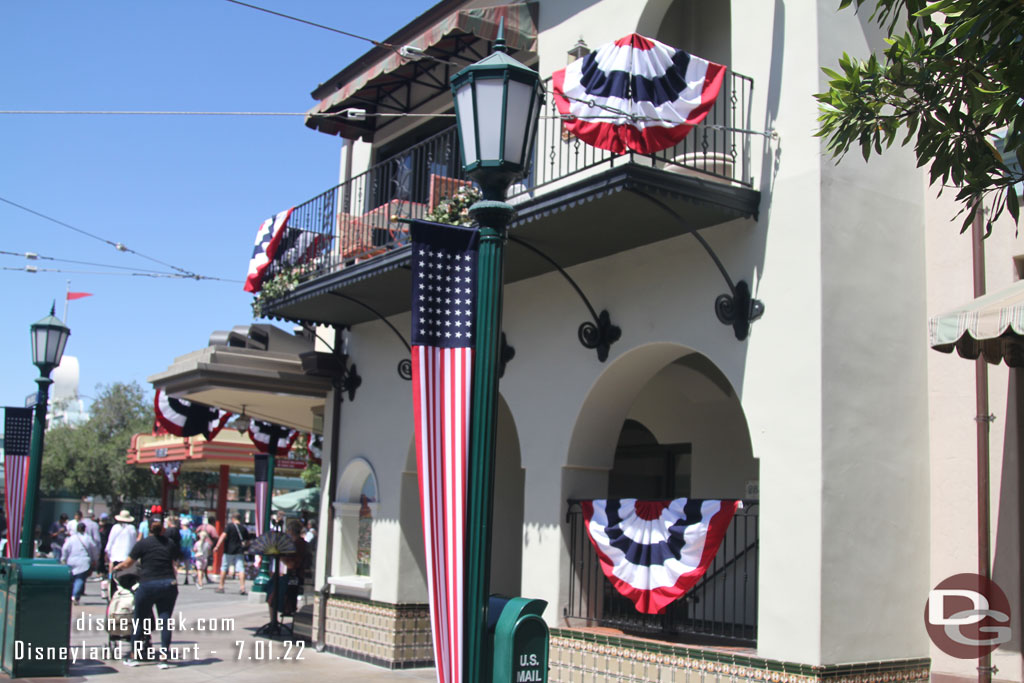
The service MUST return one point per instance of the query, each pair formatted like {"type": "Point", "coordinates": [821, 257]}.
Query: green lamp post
{"type": "Point", "coordinates": [497, 104]}
{"type": "Point", "coordinates": [49, 337]}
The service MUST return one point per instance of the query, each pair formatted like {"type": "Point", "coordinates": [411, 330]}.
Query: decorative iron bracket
{"type": "Point", "coordinates": [507, 354]}
{"type": "Point", "coordinates": [737, 308]}
{"type": "Point", "coordinates": [598, 335]}
{"type": "Point", "coordinates": [404, 365]}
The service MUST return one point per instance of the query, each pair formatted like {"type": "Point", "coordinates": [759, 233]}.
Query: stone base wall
{"type": "Point", "coordinates": [578, 656]}
{"type": "Point", "coordinates": [392, 636]}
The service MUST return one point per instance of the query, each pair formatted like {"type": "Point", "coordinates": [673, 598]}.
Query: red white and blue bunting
{"type": "Point", "coordinates": [263, 433]}
{"type": "Point", "coordinates": [268, 241]}
{"type": "Point", "coordinates": [636, 94]}
{"type": "Point", "coordinates": [315, 448]}
{"type": "Point", "coordinates": [182, 417]}
{"type": "Point", "coordinates": [654, 551]}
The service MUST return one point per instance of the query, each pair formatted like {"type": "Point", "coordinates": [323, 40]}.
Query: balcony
{"type": "Point", "coordinates": [341, 238]}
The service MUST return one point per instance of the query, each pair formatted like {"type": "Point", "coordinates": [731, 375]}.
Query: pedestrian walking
{"type": "Point", "coordinates": [233, 542]}
{"type": "Point", "coordinates": [81, 554]}
{"type": "Point", "coordinates": [158, 587]}
{"type": "Point", "coordinates": [58, 533]}
{"type": "Point", "coordinates": [121, 539]}
{"type": "Point", "coordinates": [201, 555]}
{"type": "Point", "coordinates": [188, 540]}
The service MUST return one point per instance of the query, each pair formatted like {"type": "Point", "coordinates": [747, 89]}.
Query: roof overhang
{"type": "Point", "coordinates": [991, 326]}
{"type": "Point", "coordinates": [196, 454]}
{"type": "Point", "coordinates": [573, 224]}
{"type": "Point", "coordinates": [266, 385]}
{"type": "Point", "coordinates": [382, 81]}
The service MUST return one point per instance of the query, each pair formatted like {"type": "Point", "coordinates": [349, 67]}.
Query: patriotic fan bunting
{"type": "Point", "coordinates": [443, 332]}
{"type": "Point", "coordinates": [17, 439]}
{"type": "Point", "coordinates": [268, 241]}
{"type": "Point", "coordinates": [263, 433]}
{"type": "Point", "coordinates": [182, 417]}
{"type": "Point", "coordinates": [655, 551]}
{"type": "Point", "coordinates": [169, 471]}
{"type": "Point", "coordinates": [315, 447]}
{"type": "Point", "coordinates": [636, 94]}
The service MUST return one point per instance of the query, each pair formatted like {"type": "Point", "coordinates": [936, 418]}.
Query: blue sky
{"type": "Point", "coordinates": [190, 191]}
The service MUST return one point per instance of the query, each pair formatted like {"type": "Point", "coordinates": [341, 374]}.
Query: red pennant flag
{"type": "Point", "coordinates": [78, 295]}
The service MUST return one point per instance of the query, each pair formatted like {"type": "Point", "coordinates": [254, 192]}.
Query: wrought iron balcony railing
{"type": "Point", "coordinates": [355, 221]}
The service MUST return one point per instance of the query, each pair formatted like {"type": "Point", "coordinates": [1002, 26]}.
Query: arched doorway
{"type": "Point", "coordinates": [663, 422]}
{"type": "Point", "coordinates": [507, 528]}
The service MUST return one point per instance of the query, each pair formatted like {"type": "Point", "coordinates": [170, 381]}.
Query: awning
{"type": "Point", "coordinates": [991, 326]}
{"type": "Point", "coordinates": [374, 85]}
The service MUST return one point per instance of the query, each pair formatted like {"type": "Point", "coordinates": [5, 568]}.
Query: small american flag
{"type": "Point", "coordinates": [17, 439]}
{"type": "Point", "coordinates": [443, 331]}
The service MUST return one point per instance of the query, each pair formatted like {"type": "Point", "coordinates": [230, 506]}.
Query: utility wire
{"type": "Point", "coordinates": [33, 255]}
{"type": "Point", "coordinates": [154, 113]}
{"type": "Point", "coordinates": [312, 23]}
{"type": "Point", "coordinates": [172, 276]}
{"type": "Point", "coordinates": [117, 245]}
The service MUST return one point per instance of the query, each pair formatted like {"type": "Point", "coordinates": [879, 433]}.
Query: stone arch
{"type": "Point", "coordinates": [509, 482]}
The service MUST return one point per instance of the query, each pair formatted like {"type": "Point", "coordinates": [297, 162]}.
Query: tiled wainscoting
{"type": "Point", "coordinates": [586, 657]}
{"type": "Point", "coordinates": [392, 636]}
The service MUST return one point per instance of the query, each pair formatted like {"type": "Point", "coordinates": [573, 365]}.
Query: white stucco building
{"type": "Point", "coordinates": [850, 440]}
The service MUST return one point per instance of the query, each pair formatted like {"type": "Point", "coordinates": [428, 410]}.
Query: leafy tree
{"type": "Point", "coordinates": [951, 79]}
{"type": "Point", "coordinates": [311, 475]}
{"type": "Point", "coordinates": [89, 459]}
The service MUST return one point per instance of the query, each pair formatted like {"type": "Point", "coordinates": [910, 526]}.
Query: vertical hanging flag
{"type": "Point", "coordinates": [653, 551]}
{"type": "Point", "coordinates": [270, 439]}
{"type": "Point", "coordinates": [443, 333]}
{"type": "Point", "coordinates": [636, 94]}
{"type": "Point", "coordinates": [268, 241]}
{"type": "Point", "coordinates": [17, 441]}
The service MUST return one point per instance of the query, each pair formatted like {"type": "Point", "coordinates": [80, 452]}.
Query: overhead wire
{"type": "Point", "coordinates": [172, 276]}
{"type": "Point", "coordinates": [119, 246]}
{"type": "Point", "coordinates": [31, 256]}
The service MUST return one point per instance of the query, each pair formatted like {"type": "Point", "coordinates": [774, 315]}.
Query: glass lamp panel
{"type": "Point", "coordinates": [517, 120]}
{"type": "Point", "coordinates": [489, 95]}
{"type": "Point", "coordinates": [62, 341]}
{"type": "Point", "coordinates": [53, 344]}
{"type": "Point", "coordinates": [38, 345]}
{"type": "Point", "coordinates": [534, 119]}
{"type": "Point", "coordinates": [467, 124]}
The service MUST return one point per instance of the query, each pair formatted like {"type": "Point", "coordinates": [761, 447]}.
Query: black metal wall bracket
{"type": "Point", "coordinates": [404, 365]}
{"type": "Point", "coordinates": [598, 335]}
{"type": "Point", "coordinates": [737, 308]}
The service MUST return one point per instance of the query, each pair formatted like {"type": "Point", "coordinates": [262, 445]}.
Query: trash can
{"type": "Point", "coordinates": [35, 604]}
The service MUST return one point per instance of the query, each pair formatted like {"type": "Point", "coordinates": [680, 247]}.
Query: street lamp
{"type": "Point", "coordinates": [49, 337]}
{"type": "Point", "coordinates": [497, 103]}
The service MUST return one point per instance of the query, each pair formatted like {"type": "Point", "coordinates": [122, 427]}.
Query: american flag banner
{"type": "Point", "coordinates": [262, 466]}
{"type": "Point", "coordinates": [268, 241]}
{"type": "Point", "coordinates": [443, 298]}
{"type": "Point", "coordinates": [636, 94]}
{"type": "Point", "coordinates": [17, 440]}
{"type": "Point", "coordinates": [654, 551]}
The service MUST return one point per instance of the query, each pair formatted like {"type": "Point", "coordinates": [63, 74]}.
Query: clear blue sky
{"type": "Point", "coordinates": [189, 191]}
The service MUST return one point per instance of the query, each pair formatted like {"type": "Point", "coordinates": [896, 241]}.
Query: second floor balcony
{"type": "Point", "coordinates": [354, 230]}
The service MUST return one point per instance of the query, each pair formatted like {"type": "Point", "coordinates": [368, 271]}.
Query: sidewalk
{"type": "Point", "coordinates": [215, 640]}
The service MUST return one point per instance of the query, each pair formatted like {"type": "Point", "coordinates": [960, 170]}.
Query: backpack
{"type": "Point", "coordinates": [188, 539]}
{"type": "Point", "coordinates": [120, 612]}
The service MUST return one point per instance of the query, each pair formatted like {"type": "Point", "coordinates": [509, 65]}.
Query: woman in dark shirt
{"type": "Point", "coordinates": [158, 586]}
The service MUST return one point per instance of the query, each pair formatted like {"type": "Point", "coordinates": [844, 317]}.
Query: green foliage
{"type": "Point", "coordinates": [454, 210]}
{"type": "Point", "coordinates": [311, 475]}
{"type": "Point", "coordinates": [277, 286]}
{"type": "Point", "coordinates": [949, 81]}
{"type": "Point", "coordinates": [90, 459]}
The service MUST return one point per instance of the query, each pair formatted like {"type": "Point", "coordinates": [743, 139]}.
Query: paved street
{"type": "Point", "coordinates": [217, 641]}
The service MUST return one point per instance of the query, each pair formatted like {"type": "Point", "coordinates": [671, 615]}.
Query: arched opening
{"type": "Point", "coordinates": [663, 422]}
{"type": "Point", "coordinates": [356, 506]}
{"type": "Point", "coordinates": [700, 28]}
{"type": "Point", "coordinates": [507, 526]}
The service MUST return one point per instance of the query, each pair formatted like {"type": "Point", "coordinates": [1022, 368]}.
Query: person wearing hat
{"type": "Point", "coordinates": [121, 539]}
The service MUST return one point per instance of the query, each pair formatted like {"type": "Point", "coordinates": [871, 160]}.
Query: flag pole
{"type": "Point", "coordinates": [66, 295]}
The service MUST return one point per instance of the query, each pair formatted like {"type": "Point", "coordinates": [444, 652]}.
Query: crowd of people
{"type": "Point", "coordinates": [161, 547]}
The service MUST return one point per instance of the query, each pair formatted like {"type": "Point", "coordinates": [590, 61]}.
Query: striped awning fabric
{"type": "Point", "coordinates": [520, 34]}
{"type": "Point", "coordinates": [991, 326]}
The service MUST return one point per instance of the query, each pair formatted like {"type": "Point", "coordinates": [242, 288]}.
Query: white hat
{"type": "Point", "coordinates": [124, 516]}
